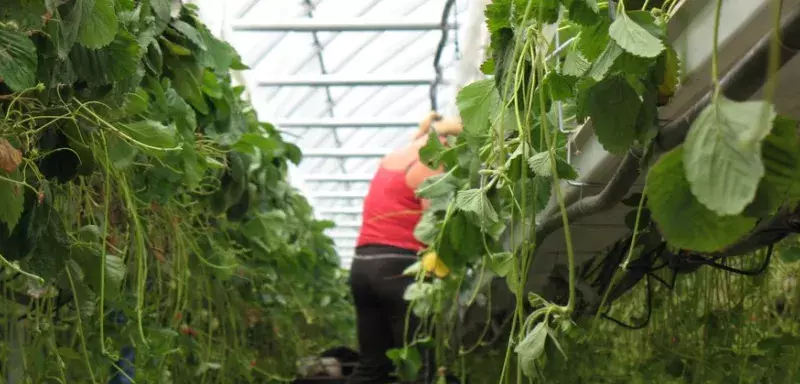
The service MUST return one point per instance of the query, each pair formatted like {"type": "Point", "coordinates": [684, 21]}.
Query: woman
{"type": "Point", "coordinates": [386, 246]}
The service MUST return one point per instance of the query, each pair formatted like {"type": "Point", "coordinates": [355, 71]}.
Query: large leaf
{"type": "Point", "coordinates": [575, 64]}
{"type": "Point", "coordinates": [25, 14]}
{"type": "Point", "coordinates": [501, 263]}
{"type": "Point", "coordinates": [18, 62]}
{"type": "Point", "coordinates": [151, 133]}
{"type": "Point", "coordinates": [541, 164]}
{"type": "Point", "coordinates": [269, 146]}
{"type": "Point", "coordinates": [606, 60]}
{"type": "Point", "coordinates": [634, 37]}
{"type": "Point", "coordinates": [434, 153]}
{"type": "Point", "coordinates": [536, 193]}
{"type": "Point", "coordinates": [190, 32]}
{"type": "Point", "coordinates": [186, 80]}
{"type": "Point", "coordinates": [683, 220]}
{"type": "Point", "coordinates": [560, 86]}
{"type": "Point", "coordinates": [99, 23]}
{"type": "Point", "coordinates": [476, 102]}
{"type": "Point", "coordinates": [426, 229]}
{"type": "Point", "coordinates": [781, 181]}
{"type": "Point", "coordinates": [723, 153]}
{"type": "Point", "coordinates": [437, 186]}
{"type": "Point", "coordinates": [87, 256]}
{"type": "Point", "coordinates": [531, 347]}
{"type": "Point", "coordinates": [475, 201]}
{"type": "Point", "coordinates": [116, 62]}
{"type": "Point", "coordinates": [594, 39]}
{"type": "Point", "coordinates": [614, 107]}
{"type": "Point", "coordinates": [12, 199]}
{"type": "Point", "coordinates": [584, 12]}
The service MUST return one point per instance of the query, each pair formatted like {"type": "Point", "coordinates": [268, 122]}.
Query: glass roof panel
{"type": "Point", "coordinates": [309, 70]}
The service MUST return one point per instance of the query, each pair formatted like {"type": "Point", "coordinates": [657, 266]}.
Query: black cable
{"type": "Point", "coordinates": [448, 6]}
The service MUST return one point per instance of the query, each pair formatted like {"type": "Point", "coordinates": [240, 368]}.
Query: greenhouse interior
{"type": "Point", "coordinates": [399, 191]}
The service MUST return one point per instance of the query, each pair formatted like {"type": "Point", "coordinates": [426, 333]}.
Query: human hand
{"type": "Point", "coordinates": [449, 126]}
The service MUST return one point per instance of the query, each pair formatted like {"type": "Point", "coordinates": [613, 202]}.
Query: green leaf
{"type": "Point", "coordinates": [790, 255]}
{"type": "Point", "coordinates": [541, 165]}
{"type": "Point", "coordinates": [186, 80]}
{"type": "Point", "coordinates": [560, 86]}
{"type": "Point", "coordinates": [649, 22]}
{"type": "Point", "coordinates": [89, 260]}
{"type": "Point", "coordinates": [151, 133]}
{"type": "Point", "coordinates": [498, 15]}
{"type": "Point", "coordinates": [437, 186]}
{"type": "Point", "coordinates": [162, 9]}
{"type": "Point", "coordinates": [433, 152]}
{"type": "Point", "coordinates": [175, 49]}
{"type": "Point", "coordinates": [135, 102]}
{"type": "Point", "coordinates": [583, 12]}
{"type": "Point", "coordinates": [537, 193]}
{"type": "Point", "coordinates": [475, 201]}
{"type": "Point", "coordinates": [575, 64]}
{"type": "Point", "coordinates": [211, 85]}
{"type": "Point", "coordinates": [530, 348]}
{"type": "Point", "coordinates": [181, 113]}
{"type": "Point", "coordinates": [501, 263]}
{"type": "Point", "coordinates": [427, 230]}
{"type": "Point", "coordinates": [606, 60]}
{"type": "Point", "coordinates": [635, 38]}
{"type": "Point", "coordinates": [267, 145]}
{"type": "Point", "coordinates": [407, 361]}
{"type": "Point", "coordinates": [25, 14]}
{"type": "Point", "coordinates": [190, 32]}
{"type": "Point", "coordinates": [18, 61]}
{"type": "Point", "coordinates": [116, 62]}
{"type": "Point", "coordinates": [683, 220]}
{"type": "Point", "coordinates": [594, 39]}
{"type": "Point", "coordinates": [293, 153]}
{"type": "Point", "coordinates": [120, 152]}
{"type": "Point", "coordinates": [115, 274]}
{"type": "Point", "coordinates": [462, 241]}
{"type": "Point", "coordinates": [552, 336]}
{"type": "Point", "coordinates": [12, 199]}
{"type": "Point", "coordinates": [722, 154]}
{"type": "Point", "coordinates": [614, 107]}
{"type": "Point", "coordinates": [476, 102]}
{"type": "Point", "coordinates": [781, 181]}
{"type": "Point", "coordinates": [99, 24]}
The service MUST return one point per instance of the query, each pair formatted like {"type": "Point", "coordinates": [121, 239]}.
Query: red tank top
{"type": "Point", "coordinates": [391, 211]}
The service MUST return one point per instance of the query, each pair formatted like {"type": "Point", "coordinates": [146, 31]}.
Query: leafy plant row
{"type": "Point", "coordinates": [147, 229]}
{"type": "Point", "coordinates": [558, 67]}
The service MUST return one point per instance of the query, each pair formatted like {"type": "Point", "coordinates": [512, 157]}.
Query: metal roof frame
{"type": "Point", "coordinates": [345, 78]}
{"type": "Point", "coordinates": [338, 25]}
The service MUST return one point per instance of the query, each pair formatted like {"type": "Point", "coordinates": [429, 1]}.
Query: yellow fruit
{"type": "Point", "coordinates": [432, 264]}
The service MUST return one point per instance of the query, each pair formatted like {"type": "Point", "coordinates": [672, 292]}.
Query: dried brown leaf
{"type": "Point", "coordinates": [10, 157]}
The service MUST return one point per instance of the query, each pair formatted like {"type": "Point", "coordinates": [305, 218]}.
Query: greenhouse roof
{"type": "Point", "coordinates": [348, 80]}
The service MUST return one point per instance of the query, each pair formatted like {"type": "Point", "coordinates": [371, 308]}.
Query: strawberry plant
{"type": "Point", "coordinates": [148, 232]}
{"type": "Point", "coordinates": [720, 185]}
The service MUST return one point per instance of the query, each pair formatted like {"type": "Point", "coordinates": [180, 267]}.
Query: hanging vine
{"type": "Point", "coordinates": [559, 67]}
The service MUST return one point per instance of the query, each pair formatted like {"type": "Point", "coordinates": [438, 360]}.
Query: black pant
{"type": "Point", "coordinates": [378, 285]}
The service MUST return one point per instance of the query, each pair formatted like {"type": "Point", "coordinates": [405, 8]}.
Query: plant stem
{"type": "Point", "coordinates": [715, 51]}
